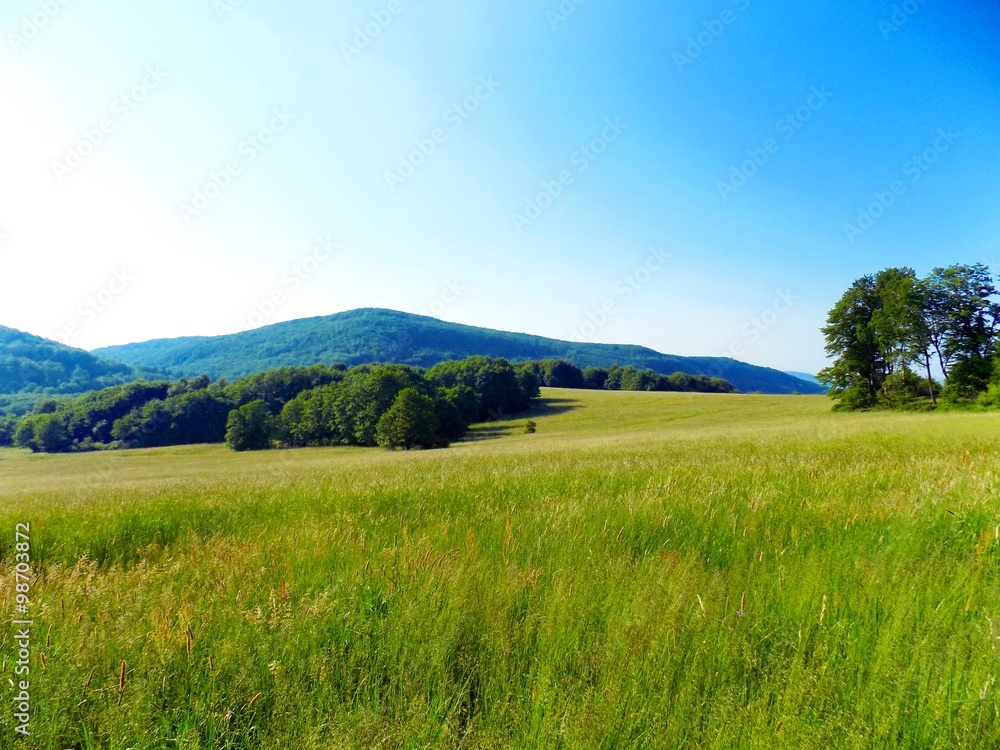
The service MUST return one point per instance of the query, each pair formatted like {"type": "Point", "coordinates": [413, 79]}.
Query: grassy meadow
{"type": "Point", "coordinates": [649, 570]}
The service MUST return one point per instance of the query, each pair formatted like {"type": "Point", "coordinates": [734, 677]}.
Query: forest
{"type": "Point", "coordinates": [392, 406]}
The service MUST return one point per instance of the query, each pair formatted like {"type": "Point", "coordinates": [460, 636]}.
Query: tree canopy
{"type": "Point", "coordinates": [890, 322]}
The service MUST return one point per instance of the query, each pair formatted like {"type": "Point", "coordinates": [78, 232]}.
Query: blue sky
{"type": "Point", "coordinates": [704, 179]}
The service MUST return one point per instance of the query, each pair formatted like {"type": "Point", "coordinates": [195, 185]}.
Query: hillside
{"type": "Point", "coordinates": [33, 365]}
{"type": "Point", "coordinates": [804, 376]}
{"type": "Point", "coordinates": [372, 335]}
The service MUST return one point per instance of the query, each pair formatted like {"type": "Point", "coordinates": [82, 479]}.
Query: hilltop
{"type": "Point", "coordinates": [375, 335]}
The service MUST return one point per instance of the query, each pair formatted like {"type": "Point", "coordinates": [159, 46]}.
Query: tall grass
{"type": "Point", "coordinates": [647, 571]}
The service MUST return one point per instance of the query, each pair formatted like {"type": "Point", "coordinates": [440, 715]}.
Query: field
{"type": "Point", "coordinates": [648, 570]}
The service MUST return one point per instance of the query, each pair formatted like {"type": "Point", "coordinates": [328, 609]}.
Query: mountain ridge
{"type": "Point", "coordinates": [377, 335]}
{"type": "Point", "coordinates": [30, 363]}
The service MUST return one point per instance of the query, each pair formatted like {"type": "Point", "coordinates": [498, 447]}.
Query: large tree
{"type": "Point", "coordinates": [962, 319]}
{"type": "Point", "coordinates": [891, 320]}
{"type": "Point", "coordinates": [411, 422]}
{"type": "Point", "coordinates": [250, 428]}
{"type": "Point", "coordinates": [901, 330]}
{"type": "Point", "coordinates": [859, 368]}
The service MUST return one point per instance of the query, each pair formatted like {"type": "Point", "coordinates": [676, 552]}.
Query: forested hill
{"type": "Point", "coordinates": [31, 364]}
{"type": "Point", "coordinates": [372, 335]}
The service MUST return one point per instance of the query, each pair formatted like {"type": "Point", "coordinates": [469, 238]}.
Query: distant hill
{"type": "Point", "coordinates": [805, 376]}
{"type": "Point", "coordinates": [372, 335]}
{"type": "Point", "coordinates": [30, 364]}
{"type": "Point", "coordinates": [32, 368]}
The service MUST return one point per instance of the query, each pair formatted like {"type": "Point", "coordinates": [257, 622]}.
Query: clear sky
{"type": "Point", "coordinates": [703, 178]}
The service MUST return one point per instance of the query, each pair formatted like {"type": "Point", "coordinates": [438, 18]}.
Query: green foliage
{"type": "Point", "coordinates": [367, 394]}
{"type": "Point", "coordinates": [310, 419]}
{"type": "Point", "coordinates": [250, 427]}
{"type": "Point", "coordinates": [630, 379]}
{"type": "Point", "coordinates": [885, 323]}
{"type": "Point", "coordinates": [558, 373]}
{"type": "Point", "coordinates": [277, 387]}
{"type": "Point", "coordinates": [528, 380]}
{"type": "Point", "coordinates": [456, 409]}
{"type": "Point", "coordinates": [904, 389]}
{"type": "Point", "coordinates": [350, 411]}
{"type": "Point", "coordinates": [362, 336]}
{"type": "Point", "coordinates": [494, 382]}
{"type": "Point", "coordinates": [963, 319]}
{"type": "Point", "coordinates": [46, 406]}
{"type": "Point", "coordinates": [93, 416]}
{"type": "Point", "coordinates": [411, 422]}
{"type": "Point", "coordinates": [857, 373]}
{"type": "Point", "coordinates": [51, 434]}
{"type": "Point", "coordinates": [188, 418]}
{"type": "Point", "coordinates": [7, 427]}
{"type": "Point", "coordinates": [24, 434]}
{"type": "Point", "coordinates": [30, 364]}
{"type": "Point", "coordinates": [594, 378]}
{"type": "Point", "coordinates": [530, 427]}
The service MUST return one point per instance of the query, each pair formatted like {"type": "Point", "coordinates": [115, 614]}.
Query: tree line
{"type": "Point", "coordinates": [393, 406]}
{"type": "Point", "coordinates": [558, 373]}
{"type": "Point", "coordinates": [899, 341]}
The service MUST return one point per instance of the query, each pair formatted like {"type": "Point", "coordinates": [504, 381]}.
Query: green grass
{"type": "Point", "coordinates": [648, 570]}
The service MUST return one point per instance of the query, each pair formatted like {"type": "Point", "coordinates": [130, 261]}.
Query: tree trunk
{"type": "Point", "coordinates": [944, 368]}
{"type": "Point", "coordinates": [930, 380]}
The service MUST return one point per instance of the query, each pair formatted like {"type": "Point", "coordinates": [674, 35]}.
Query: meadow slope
{"type": "Point", "coordinates": [649, 570]}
